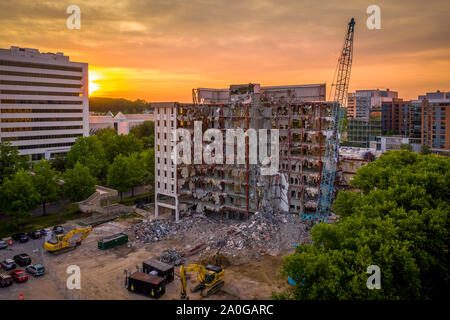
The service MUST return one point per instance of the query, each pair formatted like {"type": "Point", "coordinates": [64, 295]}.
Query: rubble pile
{"type": "Point", "coordinates": [265, 231]}
{"type": "Point", "coordinates": [171, 256]}
{"type": "Point", "coordinates": [154, 231]}
{"type": "Point", "coordinates": [261, 233]}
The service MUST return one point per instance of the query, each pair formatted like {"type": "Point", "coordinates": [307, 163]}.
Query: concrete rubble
{"type": "Point", "coordinates": [265, 232]}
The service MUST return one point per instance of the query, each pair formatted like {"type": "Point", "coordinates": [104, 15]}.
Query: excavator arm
{"type": "Point", "coordinates": [62, 243]}
{"type": "Point", "coordinates": [210, 279]}
{"type": "Point", "coordinates": [70, 234]}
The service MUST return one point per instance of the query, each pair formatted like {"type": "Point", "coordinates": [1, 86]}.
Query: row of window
{"type": "Point", "coordinates": [165, 123]}
{"type": "Point", "coordinates": [40, 84]}
{"type": "Point", "coordinates": [165, 174]}
{"type": "Point", "coordinates": [41, 93]}
{"type": "Point", "coordinates": [40, 119]}
{"type": "Point", "coordinates": [41, 128]}
{"type": "Point", "coordinates": [41, 110]}
{"type": "Point", "coordinates": [38, 75]}
{"type": "Point", "coordinates": [38, 65]}
{"type": "Point", "coordinates": [56, 136]}
{"type": "Point", "coordinates": [50, 145]}
{"type": "Point", "coordinates": [9, 101]}
{"type": "Point", "coordinates": [165, 186]}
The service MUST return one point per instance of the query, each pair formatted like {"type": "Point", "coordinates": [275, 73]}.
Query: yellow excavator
{"type": "Point", "coordinates": [210, 279]}
{"type": "Point", "coordinates": [62, 242]}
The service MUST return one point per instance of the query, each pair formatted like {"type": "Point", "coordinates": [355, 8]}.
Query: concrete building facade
{"type": "Point", "coordinates": [303, 120]}
{"type": "Point", "coordinates": [44, 104]}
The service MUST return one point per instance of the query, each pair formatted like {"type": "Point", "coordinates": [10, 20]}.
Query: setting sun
{"type": "Point", "coordinates": [93, 82]}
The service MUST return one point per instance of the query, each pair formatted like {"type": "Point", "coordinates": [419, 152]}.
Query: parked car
{"type": "Point", "coordinates": [8, 264]}
{"type": "Point", "coordinates": [5, 280]}
{"type": "Point", "coordinates": [34, 234]}
{"type": "Point", "coordinates": [21, 237]}
{"type": "Point", "coordinates": [35, 270]}
{"type": "Point", "coordinates": [3, 244]}
{"type": "Point", "coordinates": [58, 229]}
{"type": "Point", "coordinates": [22, 259]}
{"type": "Point", "coordinates": [19, 275]}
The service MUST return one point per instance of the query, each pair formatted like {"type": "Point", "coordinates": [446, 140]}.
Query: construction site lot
{"type": "Point", "coordinates": [251, 252]}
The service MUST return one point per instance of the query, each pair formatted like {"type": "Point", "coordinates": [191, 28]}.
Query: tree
{"type": "Point", "coordinates": [10, 160]}
{"type": "Point", "coordinates": [399, 222]}
{"type": "Point", "coordinates": [105, 134]}
{"type": "Point", "coordinates": [123, 145]}
{"type": "Point", "coordinates": [425, 149]}
{"type": "Point", "coordinates": [119, 175]}
{"type": "Point", "coordinates": [148, 159]}
{"type": "Point", "coordinates": [45, 182]}
{"type": "Point", "coordinates": [79, 184]}
{"type": "Point", "coordinates": [18, 196]}
{"type": "Point", "coordinates": [146, 132]}
{"type": "Point", "coordinates": [136, 169]}
{"type": "Point", "coordinates": [89, 152]}
{"type": "Point", "coordinates": [59, 163]}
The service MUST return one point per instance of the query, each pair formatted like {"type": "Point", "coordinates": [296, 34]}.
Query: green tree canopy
{"type": "Point", "coordinates": [79, 184]}
{"type": "Point", "coordinates": [145, 129]}
{"type": "Point", "coordinates": [136, 169]}
{"type": "Point", "coordinates": [18, 196]}
{"type": "Point", "coordinates": [122, 145]}
{"type": "Point", "coordinates": [119, 175]}
{"type": "Point", "coordinates": [89, 152]}
{"type": "Point", "coordinates": [45, 181]}
{"type": "Point", "coordinates": [148, 160]}
{"type": "Point", "coordinates": [399, 222]}
{"type": "Point", "coordinates": [10, 160]}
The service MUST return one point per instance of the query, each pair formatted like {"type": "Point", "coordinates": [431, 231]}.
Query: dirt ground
{"type": "Point", "coordinates": [103, 272]}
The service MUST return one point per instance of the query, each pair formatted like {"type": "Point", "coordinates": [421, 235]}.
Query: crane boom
{"type": "Point", "coordinates": [329, 165]}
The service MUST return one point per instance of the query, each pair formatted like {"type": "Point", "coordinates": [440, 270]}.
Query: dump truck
{"type": "Point", "coordinates": [112, 241]}
{"type": "Point", "coordinates": [146, 284]}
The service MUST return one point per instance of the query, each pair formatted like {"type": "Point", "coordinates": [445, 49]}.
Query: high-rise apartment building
{"type": "Point", "coordinates": [436, 125]}
{"type": "Point", "coordinates": [362, 102]}
{"type": "Point", "coordinates": [44, 103]}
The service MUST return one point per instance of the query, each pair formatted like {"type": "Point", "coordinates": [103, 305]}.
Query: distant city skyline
{"type": "Point", "coordinates": [160, 50]}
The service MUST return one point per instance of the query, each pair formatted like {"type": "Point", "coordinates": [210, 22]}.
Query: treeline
{"type": "Point", "coordinates": [98, 104]}
{"type": "Point", "coordinates": [398, 221]}
{"type": "Point", "coordinates": [121, 162]}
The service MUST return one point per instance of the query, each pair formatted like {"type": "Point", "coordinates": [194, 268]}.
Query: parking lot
{"type": "Point", "coordinates": [42, 287]}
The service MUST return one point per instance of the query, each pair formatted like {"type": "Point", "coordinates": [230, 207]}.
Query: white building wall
{"type": "Point", "coordinates": [41, 124]}
{"type": "Point", "coordinates": [165, 170]}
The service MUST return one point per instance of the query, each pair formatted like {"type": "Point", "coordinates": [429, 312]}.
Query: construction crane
{"type": "Point", "coordinates": [339, 90]}
{"type": "Point", "coordinates": [62, 242]}
{"type": "Point", "coordinates": [209, 278]}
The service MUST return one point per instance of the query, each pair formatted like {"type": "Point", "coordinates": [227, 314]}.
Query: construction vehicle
{"type": "Point", "coordinates": [62, 243]}
{"type": "Point", "coordinates": [210, 279]}
{"type": "Point", "coordinates": [329, 162]}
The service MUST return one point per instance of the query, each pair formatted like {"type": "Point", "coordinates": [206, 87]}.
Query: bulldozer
{"type": "Point", "coordinates": [210, 279]}
{"type": "Point", "coordinates": [62, 243]}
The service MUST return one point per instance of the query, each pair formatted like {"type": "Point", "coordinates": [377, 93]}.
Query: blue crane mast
{"type": "Point", "coordinates": [331, 157]}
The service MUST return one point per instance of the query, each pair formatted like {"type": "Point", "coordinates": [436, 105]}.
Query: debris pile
{"type": "Point", "coordinates": [265, 232]}
{"type": "Point", "coordinates": [171, 256]}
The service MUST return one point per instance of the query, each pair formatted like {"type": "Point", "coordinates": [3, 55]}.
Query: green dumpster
{"type": "Point", "coordinates": [112, 241]}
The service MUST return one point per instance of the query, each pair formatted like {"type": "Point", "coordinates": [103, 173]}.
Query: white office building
{"type": "Point", "coordinates": [44, 103]}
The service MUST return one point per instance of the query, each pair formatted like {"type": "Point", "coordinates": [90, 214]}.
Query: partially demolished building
{"type": "Point", "coordinates": [304, 121]}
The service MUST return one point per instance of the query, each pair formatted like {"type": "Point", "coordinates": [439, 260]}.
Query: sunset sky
{"type": "Point", "coordinates": [158, 50]}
